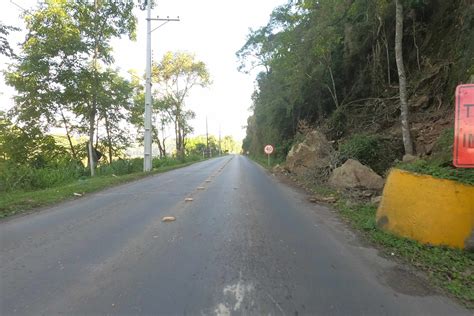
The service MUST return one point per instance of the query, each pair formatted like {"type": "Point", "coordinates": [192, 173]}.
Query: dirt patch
{"type": "Point", "coordinates": [406, 282]}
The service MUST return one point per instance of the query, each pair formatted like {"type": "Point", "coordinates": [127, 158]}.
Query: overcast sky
{"type": "Point", "coordinates": [212, 29]}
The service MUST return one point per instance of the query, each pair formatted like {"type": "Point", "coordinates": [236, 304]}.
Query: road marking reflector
{"type": "Point", "coordinates": [168, 219]}
{"type": "Point", "coordinates": [208, 181]}
{"type": "Point", "coordinates": [188, 199]}
{"type": "Point", "coordinates": [201, 188]}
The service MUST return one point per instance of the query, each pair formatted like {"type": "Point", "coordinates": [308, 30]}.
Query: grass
{"type": "Point", "coordinates": [22, 201]}
{"type": "Point", "coordinates": [450, 269]}
{"type": "Point", "coordinates": [263, 161]}
{"type": "Point", "coordinates": [461, 175]}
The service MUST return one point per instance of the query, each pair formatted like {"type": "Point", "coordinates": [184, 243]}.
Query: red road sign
{"type": "Point", "coordinates": [268, 149]}
{"type": "Point", "coordinates": [463, 153]}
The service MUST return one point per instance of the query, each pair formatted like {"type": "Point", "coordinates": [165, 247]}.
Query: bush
{"type": "Point", "coordinates": [440, 163]}
{"type": "Point", "coordinates": [22, 177]}
{"type": "Point", "coordinates": [432, 168]}
{"type": "Point", "coordinates": [336, 124]}
{"type": "Point", "coordinates": [442, 153]}
{"type": "Point", "coordinates": [121, 167]}
{"type": "Point", "coordinates": [371, 150]}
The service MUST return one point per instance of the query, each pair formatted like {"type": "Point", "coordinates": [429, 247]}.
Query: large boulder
{"type": "Point", "coordinates": [352, 174]}
{"type": "Point", "coordinates": [313, 153]}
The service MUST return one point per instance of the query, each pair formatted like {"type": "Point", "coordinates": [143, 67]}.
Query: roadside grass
{"type": "Point", "coordinates": [449, 269]}
{"type": "Point", "coordinates": [12, 203]}
{"type": "Point", "coordinates": [263, 161]}
{"type": "Point", "coordinates": [465, 176]}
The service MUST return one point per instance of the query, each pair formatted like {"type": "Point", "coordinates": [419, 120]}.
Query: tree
{"type": "Point", "coordinates": [5, 48]}
{"type": "Point", "coordinates": [404, 112]}
{"type": "Point", "coordinates": [59, 69]}
{"type": "Point", "coordinates": [177, 74]}
{"type": "Point", "coordinates": [160, 114]}
{"type": "Point", "coordinates": [114, 105]}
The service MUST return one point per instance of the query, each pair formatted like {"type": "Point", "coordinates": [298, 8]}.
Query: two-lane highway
{"type": "Point", "coordinates": [245, 244]}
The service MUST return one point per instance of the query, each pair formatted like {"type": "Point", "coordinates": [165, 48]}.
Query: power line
{"type": "Point", "coordinates": [19, 6]}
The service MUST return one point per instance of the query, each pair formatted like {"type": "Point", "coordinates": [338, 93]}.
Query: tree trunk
{"type": "Point", "coordinates": [109, 139]}
{"type": "Point", "coordinates": [156, 137]}
{"type": "Point", "coordinates": [164, 139]}
{"type": "Point", "coordinates": [404, 114]}
{"type": "Point", "coordinates": [91, 151]}
{"type": "Point", "coordinates": [68, 135]}
{"type": "Point", "coordinates": [93, 109]}
{"type": "Point", "coordinates": [334, 93]}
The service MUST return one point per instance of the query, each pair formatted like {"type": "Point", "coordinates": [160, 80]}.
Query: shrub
{"type": "Point", "coordinates": [336, 124]}
{"type": "Point", "coordinates": [432, 168]}
{"type": "Point", "coordinates": [23, 177]}
{"type": "Point", "coordinates": [371, 150]}
{"type": "Point", "coordinates": [442, 153]}
{"type": "Point", "coordinates": [121, 167]}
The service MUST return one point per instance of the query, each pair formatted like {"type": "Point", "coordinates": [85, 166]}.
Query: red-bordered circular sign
{"type": "Point", "coordinates": [268, 149]}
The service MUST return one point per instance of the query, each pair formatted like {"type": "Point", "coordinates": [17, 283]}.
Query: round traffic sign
{"type": "Point", "coordinates": [268, 149]}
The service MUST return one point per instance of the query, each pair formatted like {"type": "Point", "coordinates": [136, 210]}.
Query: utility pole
{"type": "Point", "coordinates": [220, 148]}
{"type": "Point", "coordinates": [207, 141]}
{"type": "Point", "coordinates": [147, 139]}
{"type": "Point", "coordinates": [147, 159]}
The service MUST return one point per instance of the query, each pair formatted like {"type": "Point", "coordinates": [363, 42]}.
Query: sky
{"type": "Point", "coordinates": [213, 30]}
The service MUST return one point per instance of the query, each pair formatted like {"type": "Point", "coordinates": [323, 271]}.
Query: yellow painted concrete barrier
{"type": "Point", "coordinates": [430, 210]}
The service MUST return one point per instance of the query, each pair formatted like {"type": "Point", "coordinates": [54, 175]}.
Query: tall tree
{"type": "Point", "coordinates": [59, 69]}
{"type": "Point", "coordinates": [114, 104]}
{"type": "Point", "coordinates": [177, 74]}
{"type": "Point", "coordinates": [404, 111]}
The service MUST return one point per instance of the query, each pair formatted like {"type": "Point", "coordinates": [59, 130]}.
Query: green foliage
{"type": "Point", "coordinates": [5, 48]}
{"type": "Point", "coordinates": [442, 152]}
{"type": "Point", "coordinates": [21, 177]}
{"type": "Point", "coordinates": [312, 56]}
{"type": "Point", "coordinates": [337, 124]}
{"type": "Point", "coordinates": [121, 167]}
{"type": "Point", "coordinates": [16, 177]}
{"type": "Point", "coordinates": [449, 268]}
{"type": "Point", "coordinates": [59, 75]}
{"type": "Point", "coordinates": [177, 73]}
{"type": "Point", "coordinates": [432, 168]}
{"type": "Point", "coordinates": [439, 163]}
{"type": "Point", "coordinates": [16, 202]}
{"type": "Point", "coordinates": [371, 150]}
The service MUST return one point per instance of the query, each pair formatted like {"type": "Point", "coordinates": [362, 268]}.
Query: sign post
{"type": "Point", "coordinates": [463, 150]}
{"type": "Point", "coordinates": [268, 150]}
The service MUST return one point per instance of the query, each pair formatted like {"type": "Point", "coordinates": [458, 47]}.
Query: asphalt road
{"type": "Point", "coordinates": [246, 244]}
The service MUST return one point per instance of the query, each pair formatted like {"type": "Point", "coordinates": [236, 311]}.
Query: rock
{"type": "Point", "coordinates": [278, 169]}
{"type": "Point", "coordinates": [367, 193]}
{"type": "Point", "coordinates": [376, 200]}
{"type": "Point", "coordinates": [353, 174]}
{"type": "Point", "coordinates": [325, 199]}
{"type": "Point", "coordinates": [313, 153]}
{"type": "Point", "coordinates": [409, 158]}
{"type": "Point", "coordinates": [329, 199]}
{"type": "Point", "coordinates": [429, 147]}
{"type": "Point", "coordinates": [168, 219]}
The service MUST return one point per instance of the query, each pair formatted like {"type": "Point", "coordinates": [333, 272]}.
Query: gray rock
{"type": "Point", "coordinates": [352, 174]}
{"type": "Point", "coordinates": [409, 158]}
{"type": "Point", "coordinates": [314, 152]}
